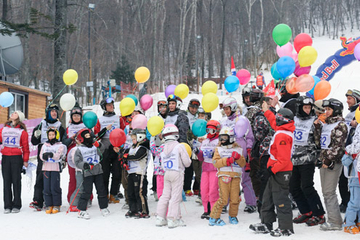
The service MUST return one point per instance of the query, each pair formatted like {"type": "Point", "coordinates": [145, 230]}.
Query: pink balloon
{"type": "Point", "coordinates": [146, 102]}
{"type": "Point", "coordinates": [244, 76]}
{"type": "Point", "coordinates": [301, 70]}
{"type": "Point", "coordinates": [294, 56]}
{"type": "Point", "coordinates": [285, 50]}
{"type": "Point", "coordinates": [139, 121]}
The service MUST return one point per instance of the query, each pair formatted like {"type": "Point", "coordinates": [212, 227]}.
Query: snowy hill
{"type": "Point", "coordinates": [38, 225]}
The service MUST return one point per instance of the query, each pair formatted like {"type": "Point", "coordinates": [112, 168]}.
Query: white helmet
{"type": "Point", "coordinates": [230, 102]}
{"type": "Point", "coordinates": [228, 131]}
{"type": "Point", "coordinates": [139, 133]}
{"type": "Point", "coordinates": [170, 133]}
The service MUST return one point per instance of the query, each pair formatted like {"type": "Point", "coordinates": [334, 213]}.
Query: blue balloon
{"type": "Point", "coordinates": [231, 84]}
{"type": "Point", "coordinates": [133, 97]}
{"type": "Point", "coordinates": [316, 80]}
{"type": "Point", "coordinates": [199, 127]}
{"type": "Point", "coordinates": [6, 99]}
{"type": "Point", "coordinates": [285, 66]}
{"type": "Point", "coordinates": [274, 73]}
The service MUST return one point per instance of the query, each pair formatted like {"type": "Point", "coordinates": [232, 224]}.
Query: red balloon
{"type": "Point", "coordinates": [302, 40]}
{"type": "Point", "coordinates": [117, 137]}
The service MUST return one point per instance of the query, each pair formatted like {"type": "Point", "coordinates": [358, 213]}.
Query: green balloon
{"type": "Point", "coordinates": [90, 119]}
{"type": "Point", "coordinates": [133, 97]}
{"type": "Point", "coordinates": [281, 34]}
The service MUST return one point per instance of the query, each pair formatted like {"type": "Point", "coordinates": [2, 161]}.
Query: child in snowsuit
{"type": "Point", "coordinates": [137, 158]}
{"type": "Point", "coordinates": [228, 160]}
{"type": "Point", "coordinates": [87, 158]}
{"type": "Point", "coordinates": [209, 180]}
{"type": "Point", "coordinates": [52, 153]}
{"type": "Point", "coordinates": [15, 154]}
{"type": "Point", "coordinates": [175, 159]}
{"type": "Point", "coordinates": [159, 172]}
{"type": "Point", "coordinates": [276, 193]}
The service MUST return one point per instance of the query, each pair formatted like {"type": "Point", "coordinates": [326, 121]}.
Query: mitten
{"type": "Point", "coordinates": [37, 133]}
{"type": "Point", "coordinates": [86, 166]}
{"type": "Point", "coordinates": [229, 161]}
{"type": "Point", "coordinates": [235, 155]}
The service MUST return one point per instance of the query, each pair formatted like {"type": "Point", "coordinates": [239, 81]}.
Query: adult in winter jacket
{"type": "Point", "coordinates": [303, 159]}
{"type": "Point", "coordinates": [15, 154]}
{"type": "Point", "coordinates": [87, 158]}
{"type": "Point", "coordinates": [110, 163]}
{"type": "Point", "coordinates": [280, 167]}
{"type": "Point", "coordinates": [245, 141]}
{"type": "Point", "coordinates": [39, 137]}
{"type": "Point", "coordinates": [175, 159]}
{"type": "Point", "coordinates": [331, 137]}
{"type": "Point", "coordinates": [245, 94]}
{"type": "Point", "coordinates": [228, 159]}
{"type": "Point", "coordinates": [53, 155]}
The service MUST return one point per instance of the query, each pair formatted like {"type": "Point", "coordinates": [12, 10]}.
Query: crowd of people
{"type": "Point", "coordinates": [269, 154]}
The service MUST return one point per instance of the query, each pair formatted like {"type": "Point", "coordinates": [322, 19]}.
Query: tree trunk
{"type": "Point", "coordinates": [5, 10]}
{"type": "Point", "coordinates": [222, 53]}
{"type": "Point", "coordinates": [60, 63]}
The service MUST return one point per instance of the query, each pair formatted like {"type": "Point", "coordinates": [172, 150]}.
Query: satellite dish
{"type": "Point", "coordinates": [11, 53]}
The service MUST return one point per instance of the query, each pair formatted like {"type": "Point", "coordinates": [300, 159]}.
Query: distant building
{"type": "Point", "coordinates": [30, 101]}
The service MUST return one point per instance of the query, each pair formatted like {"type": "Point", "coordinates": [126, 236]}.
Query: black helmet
{"type": "Point", "coordinates": [284, 116]}
{"type": "Point", "coordinates": [300, 102]}
{"type": "Point", "coordinates": [256, 95]}
{"type": "Point", "coordinates": [76, 110]}
{"type": "Point", "coordinates": [176, 99]}
{"type": "Point", "coordinates": [140, 134]}
{"type": "Point", "coordinates": [353, 93]}
{"type": "Point", "coordinates": [335, 105]}
{"type": "Point", "coordinates": [106, 101]}
{"type": "Point", "coordinates": [48, 110]}
{"type": "Point", "coordinates": [194, 103]}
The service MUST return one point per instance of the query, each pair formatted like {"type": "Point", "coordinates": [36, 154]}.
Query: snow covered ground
{"type": "Point", "coordinates": [37, 225]}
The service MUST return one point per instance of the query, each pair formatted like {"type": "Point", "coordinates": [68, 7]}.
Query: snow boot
{"type": "Point", "coordinates": [233, 220]}
{"type": "Point", "coordinates": [74, 208]}
{"type": "Point", "coordinates": [302, 218]}
{"type": "Point", "coordinates": [261, 227]}
{"type": "Point", "coordinates": [105, 212]}
{"type": "Point", "coordinates": [84, 215]}
{"type": "Point", "coordinates": [48, 210]}
{"type": "Point", "coordinates": [15, 210]}
{"type": "Point", "coordinates": [281, 232]}
{"type": "Point", "coordinates": [160, 222]}
{"type": "Point", "coordinates": [129, 214]}
{"type": "Point", "coordinates": [114, 199]}
{"type": "Point", "coordinates": [216, 222]}
{"type": "Point", "coordinates": [35, 205]}
{"type": "Point", "coordinates": [7, 211]}
{"type": "Point", "coordinates": [316, 220]}
{"type": "Point", "coordinates": [205, 215]}
{"type": "Point", "coordinates": [250, 209]}
{"type": "Point", "coordinates": [330, 227]}
{"type": "Point", "coordinates": [55, 209]}
{"type": "Point", "coordinates": [351, 229]}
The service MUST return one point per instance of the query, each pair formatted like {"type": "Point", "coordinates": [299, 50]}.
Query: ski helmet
{"type": "Point", "coordinates": [335, 105]}
{"type": "Point", "coordinates": [48, 110]}
{"type": "Point", "coordinates": [194, 103]}
{"type": "Point", "coordinates": [284, 116]}
{"type": "Point", "coordinates": [213, 128]}
{"type": "Point", "coordinates": [230, 102]}
{"type": "Point", "coordinates": [170, 133]}
{"type": "Point", "coordinates": [256, 95]}
{"type": "Point", "coordinates": [302, 101]}
{"type": "Point", "coordinates": [226, 135]}
{"type": "Point", "coordinates": [175, 99]}
{"type": "Point", "coordinates": [106, 101]}
{"type": "Point", "coordinates": [140, 134]}
{"type": "Point", "coordinates": [76, 110]}
{"type": "Point", "coordinates": [80, 135]}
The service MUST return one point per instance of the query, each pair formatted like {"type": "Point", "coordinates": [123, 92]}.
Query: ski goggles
{"type": "Point", "coordinates": [162, 103]}
{"type": "Point", "coordinates": [109, 100]}
{"type": "Point", "coordinates": [353, 93]}
{"type": "Point", "coordinates": [246, 90]}
{"type": "Point", "coordinates": [349, 92]}
{"type": "Point", "coordinates": [210, 130]}
{"type": "Point", "coordinates": [308, 101]}
{"type": "Point", "coordinates": [328, 103]}
{"type": "Point", "coordinates": [223, 138]}
{"type": "Point", "coordinates": [282, 118]}
{"type": "Point", "coordinates": [76, 111]}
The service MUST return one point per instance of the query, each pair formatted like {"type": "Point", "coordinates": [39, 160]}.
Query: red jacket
{"type": "Point", "coordinates": [24, 146]}
{"type": "Point", "coordinates": [281, 147]}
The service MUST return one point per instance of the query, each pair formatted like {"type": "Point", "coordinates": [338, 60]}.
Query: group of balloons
{"type": "Point", "coordinates": [232, 82]}
{"type": "Point", "coordinates": [297, 63]}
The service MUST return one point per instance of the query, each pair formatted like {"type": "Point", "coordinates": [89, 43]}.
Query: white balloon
{"type": "Point", "coordinates": [67, 101]}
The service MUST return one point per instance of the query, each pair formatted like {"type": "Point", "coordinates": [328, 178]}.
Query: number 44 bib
{"type": "Point", "coordinates": [11, 137]}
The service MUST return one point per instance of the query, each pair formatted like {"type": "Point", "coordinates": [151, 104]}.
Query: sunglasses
{"type": "Point", "coordinates": [109, 100]}
{"type": "Point", "coordinates": [210, 131]}
{"type": "Point", "coordinates": [282, 118]}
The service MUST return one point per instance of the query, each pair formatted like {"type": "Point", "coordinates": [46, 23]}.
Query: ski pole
{"type": "Point", "coordinates": [74, 197]}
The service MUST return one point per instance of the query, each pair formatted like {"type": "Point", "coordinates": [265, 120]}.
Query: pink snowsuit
{"type": "Point", "coordinates": [209, 181]}
{"type": "Point", "coordinates": [158, 168]}
{"type": "Point", "coordinates": [174, 158]}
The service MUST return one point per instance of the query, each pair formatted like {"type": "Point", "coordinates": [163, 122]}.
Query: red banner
{"type": "Point", "coordinates": [270, 89]}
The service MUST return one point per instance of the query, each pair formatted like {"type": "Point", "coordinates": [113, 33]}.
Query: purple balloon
{"type": "Point", "coordinates": [357, 52]}
{"type": "Point", "coordinates": [241, 127]}
{"type": "Point", "coordinates": [169, 90]}
{"type": "Point", "coordinates": [301, 70]}
{"type": "Point", "coordinates": [146, 102]}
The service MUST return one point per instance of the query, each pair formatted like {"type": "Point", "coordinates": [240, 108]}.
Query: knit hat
{"type": "Point", "coordinates": [21, 116]}
{"type": "Point", "coordinates": [318, 106]}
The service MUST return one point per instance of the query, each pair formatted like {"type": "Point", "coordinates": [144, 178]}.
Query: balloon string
{"type": "Point", "coordinates": [62, 114]}
{"type": "Point", "coordinates": [57, 95]}
{"type": "Point", "coordinates": [136, 85]}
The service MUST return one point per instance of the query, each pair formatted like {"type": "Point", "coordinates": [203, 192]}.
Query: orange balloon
{"type": "Point", "coordinates": [304, 83]}
{"type": "Point", "coordinates": [322, 90]}
{"type": "Point", "coordinates": [291, 86]}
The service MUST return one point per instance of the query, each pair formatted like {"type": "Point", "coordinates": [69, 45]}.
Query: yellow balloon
{"type": "Point", "coordinates": [357, 115]}
{"type": "Point", "coordinates": [210, 102]}
{"type": "Point", "coordinates": [142, 74]}
{"type": "Point", "coordinates": [209, 87]}
{"type": "Point", "coordinates": [70, 77]}
{"type": "Point", "coordinates": [188, 148]}
{"type": "Point", "coordinates": [127, 106]}
{"type": "Point", "coordinates": [181, 91]}
{"type": "Point", "coordinates": [155, 125]}
{"type": "Point", "coordinates": [307, 56]}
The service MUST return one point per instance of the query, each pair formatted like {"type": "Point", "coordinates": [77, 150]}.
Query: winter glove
{"type": "Point", "coordinates": [318, 163]}
{"type": "Point", "coordinates": [47, 155]}
{"type": "Point", "coordinates": [248, 151]}
{"type": "Point", "coordinates": [229, 161]}
{"type": "Point", "coordinates": [86, 166]}
{"type": "Point", "coordinates": [235, 155]}
{"type": "Point", "coordinates": [196, 150]}
{"type": "Point", "coordinates": [330, 164]}
{"type": "Point", "coordinates": [247, 167]}
{"type": "Point", "coordinates": [96, 144]}
{"type": "Point", "coordinates": [270, 171]}
{"type": "Point", "coordinates": [125, 155]}
{"type": "Point", "coordinates": [62, 165]}
{"type": "Point", "coordinates": [37, 133]}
